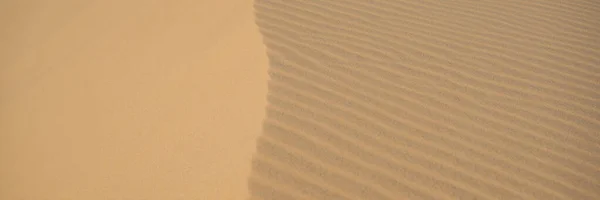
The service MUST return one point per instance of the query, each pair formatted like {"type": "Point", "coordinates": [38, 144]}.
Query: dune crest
{"type": "Point", "coordinates": [430, 100]}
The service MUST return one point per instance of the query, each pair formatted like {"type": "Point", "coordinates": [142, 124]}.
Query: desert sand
{"type": "Point", "coordinates": [129, 100]}
{"type": "Point", "coordinates": [425, 99]}
{"type": "Point", "coordinates": [291, 99]}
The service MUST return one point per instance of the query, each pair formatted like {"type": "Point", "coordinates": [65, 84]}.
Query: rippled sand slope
{"type": "Point", "coordinates": [410, 99]}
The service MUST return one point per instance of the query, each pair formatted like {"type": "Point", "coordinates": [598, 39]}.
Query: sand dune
{"type": "Point", "coordinates": [430, 100]}
{"type": "Point", "coordinates": [129, 100]}
{"type": "Point", "coordinates": [399, 99]}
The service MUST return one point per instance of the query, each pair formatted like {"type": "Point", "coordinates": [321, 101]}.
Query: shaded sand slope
{"type": "Point", "coordinates": [429, 99]}
{"type": "Point", "coordinates": [129, 100]}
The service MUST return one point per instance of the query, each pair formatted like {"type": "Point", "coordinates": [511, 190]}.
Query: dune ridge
{"type": "Point", "coordinates": [430, 99]}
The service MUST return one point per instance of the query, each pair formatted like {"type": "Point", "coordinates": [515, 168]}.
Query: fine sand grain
{"type": "Point", "coordinates": [426, 99]}
{"type": "Point", "coordinates": [129, 100]}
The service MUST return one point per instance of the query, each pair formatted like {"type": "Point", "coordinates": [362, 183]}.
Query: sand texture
{"type": "Point", "coordinates": [129, 100]}
{"type": "Point", "coordinates": [355, 99]}
{"type": "Point", "coordinates": [426, 99]}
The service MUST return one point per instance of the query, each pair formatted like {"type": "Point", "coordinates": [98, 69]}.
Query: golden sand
{"type": "Point", "coordinates": [430, 99]}
{"type": "Point", "coordinates": [129, 100]}
{"type": "Point", "coordinates": [396, 99]}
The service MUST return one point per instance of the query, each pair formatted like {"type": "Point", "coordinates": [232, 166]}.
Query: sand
{"type": "Point", "coordinates": [128, 100]}
{"type": "Point", "coordinates": [290, 99]}
{"type": "Point", "coordinates": [429, 99]}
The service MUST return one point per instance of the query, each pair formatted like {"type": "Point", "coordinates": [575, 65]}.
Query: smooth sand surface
{"type": "Point", "coordinates": [129, 100]}
{"type": "Point", "coordinates": [428, 99]}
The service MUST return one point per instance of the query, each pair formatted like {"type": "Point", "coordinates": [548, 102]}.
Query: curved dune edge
{"type": "Point", "coordinates": [430, 100]}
